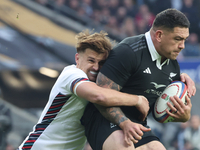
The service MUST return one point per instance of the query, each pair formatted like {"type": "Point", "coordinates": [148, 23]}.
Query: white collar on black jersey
{"type": "Point", "coordinates": [154, 53]}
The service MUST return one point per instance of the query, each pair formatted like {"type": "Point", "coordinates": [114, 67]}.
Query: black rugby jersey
{"type": "Point", "coordinates": [130, 65]}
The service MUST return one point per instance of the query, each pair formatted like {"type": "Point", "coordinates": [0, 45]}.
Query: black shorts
{"type": "Point", "coordinates": [97, 129]}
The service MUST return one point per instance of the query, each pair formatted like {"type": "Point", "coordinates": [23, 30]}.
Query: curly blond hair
{"type": "Point", "coordinates": [99, 42]}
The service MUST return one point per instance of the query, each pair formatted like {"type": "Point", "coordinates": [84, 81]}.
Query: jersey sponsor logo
{"type": "Point", "coordinates": [152, 91]}
{"type": "Point", "coordinates": [158, 85]}
{"type": "Point", "coordinates": [148, 71]}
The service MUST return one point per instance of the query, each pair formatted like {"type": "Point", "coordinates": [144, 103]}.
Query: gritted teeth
{"type": "Point", "coordinates": [92, 72]}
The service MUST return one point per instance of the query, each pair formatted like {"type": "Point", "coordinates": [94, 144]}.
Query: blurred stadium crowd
{"type": "Point", "coordinates": [123, 18]}
{"type": "Point", "coordinates": [179, 136]}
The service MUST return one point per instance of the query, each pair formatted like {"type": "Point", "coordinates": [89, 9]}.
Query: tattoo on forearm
{"type": "Point", "coordinates": [113, 114]}
{"type": "Point", "coordinates": [117, 116]}
{"type": "Point", "coordinates": [103, 81]}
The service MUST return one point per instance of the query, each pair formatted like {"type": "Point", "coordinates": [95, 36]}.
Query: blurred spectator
{"type": "Point", "coordinates": [128, 28]}
{"type": "Point", "coordinates": [81, 12]}
{"type": "Point", "coordinates": [100, 4]}
{"type": "Point", "coordinates": [112, 26]}
{"type": "Point", "coordinates": [5, 124]}
{"type": "Point", "coordinates": [74, 4]}
{"type": "Point", "coordinates": [151, 5]}
{"type": "Point", "coordinates": [58, 6]}
{"type": "Point", "coordinates": [192, 47]}
{"type": "Point", "coordinates": [60, 3]}
{"type": "Point", "coordinates": [190, 10]}
{"type": "Point", "coordinates": [192, 133]}
{"type": "Point", "coordinates": [97, 17]}
{"type": "Point", "coordinates": [77, 6]}
{"type": "Point", "coordinates": [157, 6]}
{"type": "Point", "coordinates": [179, 142]}
{"type": "Point", "coordinates": [144, 19]}
{"type": "Point", "coordinates": [104, 16]}
{"type": "Point", "coordinates": [87, 7]}
{"type": "Point", "coordinates": [168, 133]}
{"type": "Point", "coordinates": [130, 7]}
{"type": "Point", "coordinates": [141, 26]}
{"type": "Point", "coordinates": [113, 6]}
{"type": "Point", "coordinates": [121, 15]}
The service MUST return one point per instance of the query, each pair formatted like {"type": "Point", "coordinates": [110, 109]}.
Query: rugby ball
{"type": "Point", "coordinates": [175, 88]}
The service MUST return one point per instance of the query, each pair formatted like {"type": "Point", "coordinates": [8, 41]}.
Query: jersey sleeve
{"type": "Point", "coordinates": [120, 64]}
{"type": "Point", "coordinates": [69, 80]}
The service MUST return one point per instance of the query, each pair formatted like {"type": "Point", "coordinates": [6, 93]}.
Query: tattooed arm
{"type": "Point", "coordinates": [113, 114]}
{"type": "Point", "coordinates": [132, 131]}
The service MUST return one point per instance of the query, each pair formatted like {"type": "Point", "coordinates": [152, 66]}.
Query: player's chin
{"type": "Point", "coordinates": [92, 78]}
{"type": "Point", "coordinates": [174, 57]}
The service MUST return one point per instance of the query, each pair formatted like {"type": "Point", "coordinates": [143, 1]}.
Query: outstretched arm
{"type": "Point", "coordinates": [105, 97]}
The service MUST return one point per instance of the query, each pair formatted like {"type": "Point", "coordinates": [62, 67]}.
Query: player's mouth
{"type": "Point", "coordinates": [94, 73]}
{"type": "Point", "coordinates": [176, 52]}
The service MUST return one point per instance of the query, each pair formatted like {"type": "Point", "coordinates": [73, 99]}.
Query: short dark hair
{"type": "Point", "coordinates": [171, 18]}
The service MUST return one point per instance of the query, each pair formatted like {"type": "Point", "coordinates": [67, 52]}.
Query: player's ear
{"type": "Point", "coordinates": [77, 58]}
{"type": "Point", "coordinates": [159, 34]}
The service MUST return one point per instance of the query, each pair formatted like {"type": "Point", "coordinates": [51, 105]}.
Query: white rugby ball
{"type": "Point", "coordinates": [175, 88]}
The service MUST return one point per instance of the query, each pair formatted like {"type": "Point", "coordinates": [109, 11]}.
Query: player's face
{"type": "Point", "coordinates": [172, 43]}
{"type": "Point", "coordinates": [90, 62]}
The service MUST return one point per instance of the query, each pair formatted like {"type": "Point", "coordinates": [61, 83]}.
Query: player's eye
{"type": "Point", "coordinates": [92, 61]}
{"type": "Point", "coordinates": [178, 39]}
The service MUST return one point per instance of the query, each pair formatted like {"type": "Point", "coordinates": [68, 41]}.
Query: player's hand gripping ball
{"type": "Point", "coordinates": [175, 88]}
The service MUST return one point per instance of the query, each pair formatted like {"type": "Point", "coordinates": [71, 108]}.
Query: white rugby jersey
{"type": "Point", "coordinates": [59, 126]}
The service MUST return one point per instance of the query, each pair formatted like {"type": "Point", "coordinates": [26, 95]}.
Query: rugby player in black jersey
{"type": "Point", "coordinates": [140, 65]}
